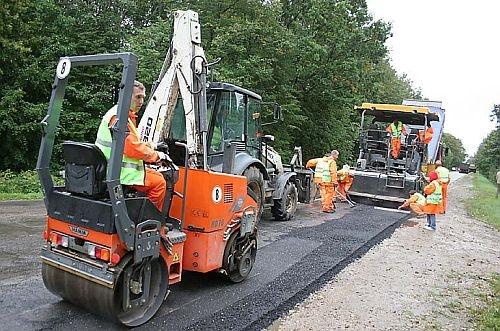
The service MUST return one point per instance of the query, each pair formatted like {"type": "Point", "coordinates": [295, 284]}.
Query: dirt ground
{"type": "Point", "coordinates": [416, 279]}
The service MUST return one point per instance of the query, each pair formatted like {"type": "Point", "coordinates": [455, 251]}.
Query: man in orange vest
{"type": "Point", "coordinates": [325, 175]}
{"type": "Point", "coordinates": [444, 179]}
{"type": "Point", "coordinates": [425, 136]}
{"type": "Point", "coordinates": [136, 152]}
{"type": "Point", "coordinates": [345, 179]}
{"type": "Point", "coordinates": [433, 201]}
{"type": "Point", "coordinates": [396, 129]}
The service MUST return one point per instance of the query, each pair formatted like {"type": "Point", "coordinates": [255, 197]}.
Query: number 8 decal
{"type": "Point", "coordinates": [63, 68]}
{"type": "Point", "coordinates": [216, 194]}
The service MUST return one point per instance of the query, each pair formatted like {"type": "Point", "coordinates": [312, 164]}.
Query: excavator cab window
{"type": "Point", "coordinates": [178, 127]}
{"type": "Point", "coordinates": [229, 120]}
{"type": "Point", "coordinates": [253, 125]}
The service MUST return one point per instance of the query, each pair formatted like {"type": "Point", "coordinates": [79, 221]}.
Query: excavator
{"type": "Point", "coordinates": [107, 248]}
{"type": "Point", "coordinates": [228, 137]}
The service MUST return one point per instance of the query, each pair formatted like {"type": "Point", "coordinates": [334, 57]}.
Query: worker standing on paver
{"type": "Point", "coordinates": [416, 202]}
{"type": "Point", "coordinates": [433, 201]}
{"type": "Point", "coordinates": [325, 174]}
{"type": "Point", "coordinates": [396, 129]}
{"type": "Point", "coordinates": [425, 136]}
{"type": "Point", "coordinates": [444, 179]}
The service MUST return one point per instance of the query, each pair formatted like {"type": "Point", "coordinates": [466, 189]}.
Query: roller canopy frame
{"type": "Point", "coordinates": [124, 225]}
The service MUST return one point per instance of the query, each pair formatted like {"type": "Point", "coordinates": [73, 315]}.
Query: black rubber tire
{"type": "Point", "coordinates": [255, 183]}
{"type": "Point", "coordinates": [158, 292]}
{"type": "Point", "coordinates": [284, 209]}
{"type": "Point", "coordinates": [238, 272]}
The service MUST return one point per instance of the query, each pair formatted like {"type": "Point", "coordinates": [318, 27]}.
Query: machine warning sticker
{"type": "Point", "coordinates": [175, 258]}
{"type": "Point", "coordinates": [217, 194]}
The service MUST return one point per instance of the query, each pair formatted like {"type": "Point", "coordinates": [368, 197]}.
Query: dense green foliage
{"type": "Point", "coordinates": [316, 58]}
{"type": "Point", "coordinates": [455, 151]}
{"type": "Point", "coordinates": [22, 185]}
{"type": "Point", "coordinates": [487, 157]}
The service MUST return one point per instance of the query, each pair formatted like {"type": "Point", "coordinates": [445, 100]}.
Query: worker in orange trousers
{"type": "Point", "coordinates": [444, 179]}
{"type": "Point", "coordinates": [325, 175]}
{"type": "Point", "coordinates": [395, 130]}
{"type": "Point", "coordinates": [136, 152]}
{"type": "Point", "coordinates": [416, 202]}
{"type": "Point", "coordinates": [345, 180]}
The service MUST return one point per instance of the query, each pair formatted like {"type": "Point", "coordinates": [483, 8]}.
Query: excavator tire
{"type": "Point", "coordinates": [283, 209]}
{"type": "Point", "coordinates": [105, 301]}
{"type": "Point", "coordinates": [255, 182]}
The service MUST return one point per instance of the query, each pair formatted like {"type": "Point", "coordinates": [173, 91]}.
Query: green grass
{"type": "Point", "coordinates": [23, 185]}
{"type": "Point", "coordinates": [484, 206]}
{"type": "Point", "coordinates": [488, 317]}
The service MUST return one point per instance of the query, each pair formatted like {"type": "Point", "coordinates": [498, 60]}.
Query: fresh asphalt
{"type": "Point", "coordinates": [294, 259]}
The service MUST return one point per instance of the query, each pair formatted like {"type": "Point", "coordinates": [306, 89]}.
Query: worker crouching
{"type": "Point", "coordinates": [415, 202]}
{"type": "Point", "coordinates": [325, 175]}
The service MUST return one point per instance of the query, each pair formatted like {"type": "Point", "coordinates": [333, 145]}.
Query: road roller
{"type": "Point", "coordinates": [107, 248]}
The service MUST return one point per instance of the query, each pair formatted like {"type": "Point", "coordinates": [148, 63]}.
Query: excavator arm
{"type": "Point", "coordinates": [181, 80]}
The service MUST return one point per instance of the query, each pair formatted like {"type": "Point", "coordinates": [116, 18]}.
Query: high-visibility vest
{"type": "Point", "coordinates": [420, 198]}
{"type": "Point", "coordinates": [443, 174]}
{"type": "Point", "coordinates": [322, 170]}
{"type": "Point", "coordinates": [132, 172]}
{"type": "Point", "coordinates": [396, 131]}
{"type": "Point", "coordinates": [435, 197]}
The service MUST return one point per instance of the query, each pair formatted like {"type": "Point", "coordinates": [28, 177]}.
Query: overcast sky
{"type": "Point", "coordinates": [450, 49]}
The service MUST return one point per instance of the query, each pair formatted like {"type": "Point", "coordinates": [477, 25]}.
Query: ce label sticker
{"type": "Point", "coordinates": [216, 194]}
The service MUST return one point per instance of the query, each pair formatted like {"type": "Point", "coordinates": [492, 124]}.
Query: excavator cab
{"type": "Point", "coordinates": [220, 124]}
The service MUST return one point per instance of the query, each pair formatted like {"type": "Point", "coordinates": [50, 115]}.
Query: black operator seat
{"type": "Point", "coordinates": [85, 176]}
{"type": "Point", "coordinates": [85, 169]}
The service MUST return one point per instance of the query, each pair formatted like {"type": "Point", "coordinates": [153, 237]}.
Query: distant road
{"type": "Point", "coordinates": [455, 175]}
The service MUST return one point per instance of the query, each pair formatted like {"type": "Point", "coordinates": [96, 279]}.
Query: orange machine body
{"type": "Point", "coordinates": [115, 245]}
{"type": "Point", "coordinates": [214, 204]}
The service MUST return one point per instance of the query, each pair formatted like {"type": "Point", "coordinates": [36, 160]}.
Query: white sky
{"type": "Point", "coordinates": [451, 50]}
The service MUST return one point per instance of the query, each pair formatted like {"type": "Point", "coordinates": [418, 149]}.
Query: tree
{"type": "Point", "coordinates": [316, 58]}
{"type": "Point", "coordinates": [487, 157]}
{"type": "Point", "coordinates": [455, 150]}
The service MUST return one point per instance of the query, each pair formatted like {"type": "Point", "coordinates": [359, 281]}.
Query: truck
{"type": "Point", "coordinates": [464, 168]}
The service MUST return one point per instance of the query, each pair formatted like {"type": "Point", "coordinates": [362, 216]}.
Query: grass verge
{"type": "Point", "coordinates": [488, 317]}
{"type": "Point", "coordinates": [484, 206]}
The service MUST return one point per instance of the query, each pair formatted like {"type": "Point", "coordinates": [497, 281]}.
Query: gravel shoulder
{"type": "Point", "coordinates": [416, 279]}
